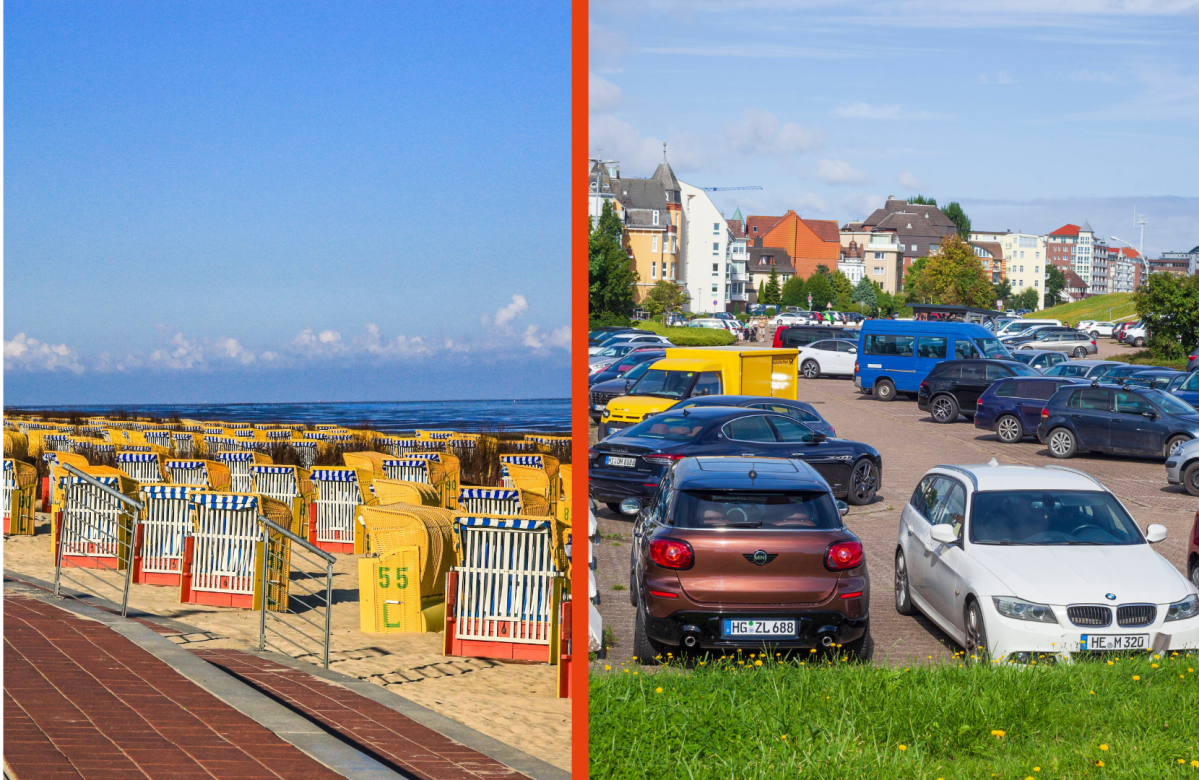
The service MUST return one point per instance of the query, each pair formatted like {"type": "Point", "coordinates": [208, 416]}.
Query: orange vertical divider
{"type": "Point", "coordinates": [581, 552]}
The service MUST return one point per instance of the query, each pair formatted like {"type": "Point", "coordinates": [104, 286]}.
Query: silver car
{"type": "Point", "coordinates": [1074, 343]}
{"type": "Point", "coordinates": [1182, 467]}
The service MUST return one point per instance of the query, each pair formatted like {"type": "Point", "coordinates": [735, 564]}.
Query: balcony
{"type": "Point", "coordinates": [736, 277]}
{"type": "Point", "coordinates": [739, 296]}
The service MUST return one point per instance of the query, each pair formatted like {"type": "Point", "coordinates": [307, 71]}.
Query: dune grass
{"type": "Point", "coordinates": [1097, 308]}
{"type": "Point", "coordinates": [1103, 716]}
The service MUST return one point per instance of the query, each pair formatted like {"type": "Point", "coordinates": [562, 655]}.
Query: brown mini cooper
{"type": "Point", "coordinates": [739, 552]}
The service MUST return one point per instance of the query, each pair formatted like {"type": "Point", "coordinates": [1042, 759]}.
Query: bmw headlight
{"type": "Point", "coordinates": [1018, 609]}
{"type": "Point", "coordinates": [1181, 610]}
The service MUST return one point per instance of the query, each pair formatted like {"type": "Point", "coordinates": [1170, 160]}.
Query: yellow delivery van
{"type": "Point", "coordinates": [687, 372]}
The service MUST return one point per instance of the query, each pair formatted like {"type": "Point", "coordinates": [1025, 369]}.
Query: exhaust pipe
{"type": "Point", "coordinates": [689, 640]}
{"type": "Point", "coordinates": [826, 640]}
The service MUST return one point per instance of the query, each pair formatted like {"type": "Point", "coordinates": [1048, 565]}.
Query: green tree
{"type": "Point", "coordinates": [866, 293]}
{"type": "Point", "coordinates": [772, 293]}
{"type": "Point", "coordinates": [793, 292]}
{"type": "Point", "coordinates": [1027, 299]}
{"type": "Point", "coordinates": [1169, 305]}
{"type": "Point", "coordinates": [951, 276]}
{"type": "Point", "coordinates": [663, 297]}
{"type": "Point", "coordinates": [841, 285]}
{"type": "Point", "coordinates": [611, 277]}
{"type": "Point", "coordinates": [920, 200]}
{"type": "Point", "coordinates": [821, 291]}
{"type": "Point", "coordinates": [1003, 292]}
{"type": "Point", "coordinates": [958, 217]}
{"type": "Point", "coordinates": [1055, 283]}
{"type": "Point", "coordinates": [762, 292]}
{"type": "Point", "coordinates": [822, 269]}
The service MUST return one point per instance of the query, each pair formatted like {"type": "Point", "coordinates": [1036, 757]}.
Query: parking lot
{"type": "Point", "coordinates": [910, 444]}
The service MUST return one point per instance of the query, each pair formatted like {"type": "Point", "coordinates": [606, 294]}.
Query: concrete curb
{"type": "Point", "coordinates": [290, 727]}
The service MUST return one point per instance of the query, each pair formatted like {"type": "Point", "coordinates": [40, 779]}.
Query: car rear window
{"type": "Point", "coordinates": [1007, 390]}
{"type": "Point", "coordinates": [1042, 391]}
{"type": "Point", "coordinates": [669, 427]}
{"type": "Point", "coordinates": [780, 511]}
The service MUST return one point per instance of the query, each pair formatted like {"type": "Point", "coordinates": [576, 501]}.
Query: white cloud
{"type": "Point", "coordinates": [862, 204]}
{"type": "Point", "coordinates": [839, 172]}
{"type": "Point", "coordinates": [602, 95]}
{"type": "Point", "coordinates": [639, 155]}
{"type": "Point", "coordinates": [179, 354]}
{"type": "Point", "coordinates": [233, 350]}
{"type": "Point", "coordinates": [887, 111]}
{"type": "Point", "coordinates": [760, 133]}
{"type": "Point", "coordinates": [1102, 77]}
{"type": "Point", "coordinates": [518, 306]}
{"type": "Point", "coordinates": [531, 339]}
{"type": "Point", "coordinates": [28, 353]}
{"type": "Point", "coordinates": [329, 337]}
{"type": "Point", "coordinates": [560, 337]}
{"type": "Point", "coordinates": [908, 181]}
{"type": "Point", "coordinates": [1000, 78]}
{"type": "Point", "coordinates": [811, 202]}
{"type": "Point", "coordinates": [401, 346]}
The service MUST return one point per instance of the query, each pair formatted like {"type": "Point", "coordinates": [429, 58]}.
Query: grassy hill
{"type": "Point", "coordinates": [1097, 308]}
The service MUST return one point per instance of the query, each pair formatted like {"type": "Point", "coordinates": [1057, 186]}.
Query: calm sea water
{"type": "Point", "coordinates": [549, 415]}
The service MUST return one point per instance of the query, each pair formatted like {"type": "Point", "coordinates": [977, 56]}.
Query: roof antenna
{"type": "Point", "coordinates": [663, 151]}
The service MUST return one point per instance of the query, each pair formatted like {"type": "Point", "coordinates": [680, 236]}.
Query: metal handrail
{"type": "Point", "coordinates": [327, 598]}
{"type": "Point", "coordinates": [98, 484]}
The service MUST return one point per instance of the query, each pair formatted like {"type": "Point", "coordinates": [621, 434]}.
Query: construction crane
{"type": "Point", "coordinates": [728, 189]}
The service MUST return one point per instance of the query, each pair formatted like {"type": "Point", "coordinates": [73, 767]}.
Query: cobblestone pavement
{"type": "Point", "coordinates": [910, 444]}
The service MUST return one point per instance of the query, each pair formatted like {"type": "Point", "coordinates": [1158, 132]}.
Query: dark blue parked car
{"type": "Point", "coordinates": [631, 462]}
{"type": "Point", "coordinates": [1109, 418]}
{"type": "Point", "coordinates": [800, 410]}
{"type": "Point", "coordinates": [1186, 387]}
{"type": "Point", "coordinates": [621, 366]}
{"type": "Point", "coordinates": [1152, 377]}
{"type": "Point", "coordinates": [1012, 407]}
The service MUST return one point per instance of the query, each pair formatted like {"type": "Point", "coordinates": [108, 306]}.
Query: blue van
{"type": "Point", "coordinates": [894, 356]}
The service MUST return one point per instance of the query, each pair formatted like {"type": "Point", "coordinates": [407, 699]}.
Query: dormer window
{"type": "Point", "coordinates": [655, 216]}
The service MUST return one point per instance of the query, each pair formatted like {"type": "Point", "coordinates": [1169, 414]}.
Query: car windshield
{"type": "Point", "coordinates": [669, 427]}
{"type": "Point", "coordinates": [611, 351]}
{"type": "Point", "coordinates": [1170, 404]}
{"type": "Point", "coordinates": [992, 348]}
{"type": "Point", "coordinates": [1024, 356]}
{"type": "Point", "coordinates": [636, 371]}
{"type": "Point", "coordinates": [1042, 517]}
{"type": "Point", "coordinates": [667, 384]}
{"type": "Point", "coordinates": [1023, 370]}
{"type": "Point", "coordinates": [783, 511]}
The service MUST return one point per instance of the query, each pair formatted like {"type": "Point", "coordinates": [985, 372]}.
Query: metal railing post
{"type": "Point", "coordinates": [328, 608]}
{"type": "Point", "coordinates": [304, 546]}
{"type": "Point", "coordinates": [266, 547]}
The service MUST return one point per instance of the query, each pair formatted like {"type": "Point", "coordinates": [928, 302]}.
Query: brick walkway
{"type": "Point", "coordinates": [387, 736]}
{"type": "Point", "coordinates": [82, 701]}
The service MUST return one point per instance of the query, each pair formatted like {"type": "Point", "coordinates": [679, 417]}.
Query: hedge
{"type": "Point", "coordinates": [691, 337]}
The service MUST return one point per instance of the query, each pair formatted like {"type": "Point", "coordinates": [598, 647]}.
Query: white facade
{"type": "Point", "coordinates": [736, 296]}
{"type": "Point", "coordinates": [1082, 254]}
{"type": "Point", "coordinates": [1024, 255]}
{"type": "Point", "coordinates": [706, 252]}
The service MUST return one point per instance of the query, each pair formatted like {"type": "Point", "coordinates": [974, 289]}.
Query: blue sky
{"type": "Point", "coordinates": [258, 201]}
{"type": "Point", "coordinates": [1031, 113]}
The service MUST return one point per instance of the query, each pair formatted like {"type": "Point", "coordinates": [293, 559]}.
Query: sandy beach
{"type": "Point", "coordinates": [514, 703]}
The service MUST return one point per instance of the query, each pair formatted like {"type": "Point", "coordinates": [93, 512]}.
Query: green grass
{"type": "Point", "coordinates": [836, 720]}
{"type": "Point", "coordinates": [1142, 357]}
{"type": "Point", "coordinates": [691, 337]}
{"type": "Point", "coordinates": [1096, 308]}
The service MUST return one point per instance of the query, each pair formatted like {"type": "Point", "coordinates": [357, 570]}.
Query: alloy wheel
{"type": "Point", "coordinates": [1195, 482]}
{"type": "Point", "coordinates": [1059, 442]}
{"type": "Point", "coordinates": [863, 481]}
{"type": "Point", "coordinates": [810, 369]}
{"type": "Point", "coordinates": [942, 409]}
{"type": "Point", "coordinates": [901, 583]}
{"type": "Point", "coordinates": [1080, 353]}
{"type": "Point", "coordinates": [1009, 429]}
{"type": "Point", "coordinates": [976, 637]}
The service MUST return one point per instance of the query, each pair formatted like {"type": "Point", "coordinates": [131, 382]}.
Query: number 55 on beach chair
{"type": "Point", "coordinates": [402, 581]}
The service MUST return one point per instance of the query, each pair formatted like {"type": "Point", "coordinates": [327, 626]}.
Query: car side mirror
{"type": "Point", "coordinates": [1150, 415]}
{"type": "Point", "coordinates": [818, 437]}
{"type": "Point", "coordinates": [944, 534]}
{"type": "Point", "coordinates": [1155, 533]}
{"type": "Point", "coordinates": [853, 351]}
{"type": "Point", "coordinates": [627, 385]}
{"type": "Point", "coordinates": [843, 508]}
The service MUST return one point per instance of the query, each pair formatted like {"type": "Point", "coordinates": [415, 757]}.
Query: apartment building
{"type": "Point", "coordinates": [1023, 258]}
{"type": "Point", "coordinates": [1072, 248]}
{"type": "Point", "coordinates": [761, 261]}
{"type": "Point", "coordinates": [920, 228]}
{"type": "Point", "coordinates": [1191, 259]}
{"type": "Point", "coordinates": [1123, 264]}
{"type": "Point", "coordinates": [874, 254]}
{"type": "Point", "coordinates": [708, 253]}
{"type": "Point", "coordinates": [808, 242]}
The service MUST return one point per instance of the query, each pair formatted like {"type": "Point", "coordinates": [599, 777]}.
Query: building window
{"type": "Point", "coordinates": [879, 270]}
{"type": "Point", "coordinates": [878, 255]}
{"type": "Point", "coordinates": [672, 265]}
{"type": "Point", "coordinates": [715, 269]}
{"type": "Point", "coordinates": [1036, 283]}
{"type": "Point", "coordinates": [913, 247]}
{"type": "Point", "coordinates": [716, 228]}
{"type": "Point", "coordinates": [653, 270]}
{"type": "Point", "coordinates": [715, 289]}
{"type": "Point", "coordinates": [653, 244]}
{"type": "Point", "coordinates": [655, 216]}
{"type": "Point", "coordinates": [715, 248]}
{"type": "Point", "coordinates": [1036, 269]}
{"type": "Point", "coordinates": [663, 269]}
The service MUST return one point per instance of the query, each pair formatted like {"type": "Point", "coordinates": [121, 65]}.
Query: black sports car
{"type": "Point", "coordinates": [630, 463]}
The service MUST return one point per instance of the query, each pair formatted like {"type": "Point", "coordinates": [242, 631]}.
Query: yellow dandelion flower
{"type": "Point", "coordinates": [1189, 669]}
{"type": "Point", "coordinates": [757, 663]}
{"type": "Point", "coordinates": [1036, 769]}
{"type": "Point", "coordinates": [607, 668]}
{"type": "Point", "coordinates": [1098, 763]}
{"type": "Point", "coordinates": [658, 689]}
{"type": "Point", "coordinates": [1092, 693]}
{"type": "Point", "coordinates": [812, 650]}
{"type": "Point", "coordinates": [1153, 665]}
{"type": "Point", "coordinates": [1136, 677]}
{"type": "Point", "coordinates": [1110, 663]}
{"type": "Point", "coordinates": [1195, 764]}
{"type": "Point", "coordinates": [903, 747]}
{"type": "Point", "coordinates": [626, 671]}
{"type": "Point", "coordinates": [1103, 746]}
{"type": "Point", "coordinates": [784, 736]}
{"type": "Point", "coordinates": [998, 733]}
{"type": "Point", "coordinates": [1182, 760]}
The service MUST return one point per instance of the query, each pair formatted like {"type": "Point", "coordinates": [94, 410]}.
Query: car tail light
{"type": "Point", "coordinates": [855, 367]}
{"type": "Point", "coordinates": [854, 595]}
{"type": "Point", "coordinates": [923, 385]}
{"type": "Point", "coordinates": [1045, 413]}
{"type": "Point", "coordinates": [591, 453]}
{"type": "Point", "coordinates": [662, 594]}
{"type": "Point", "coordinates": [662, 459]}
{"type": "Point", "coordinates": [1092, 342]}
{"type": "Point", "coordinates": [1189, 357]}
{"type": "Point", "coordinates": [843, 555]}
{"type": "Point", "coordinates": [671, 553]}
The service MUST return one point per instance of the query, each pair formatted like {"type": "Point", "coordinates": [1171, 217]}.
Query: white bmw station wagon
{"type": "Point", "coordinates": [1015, 561]}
